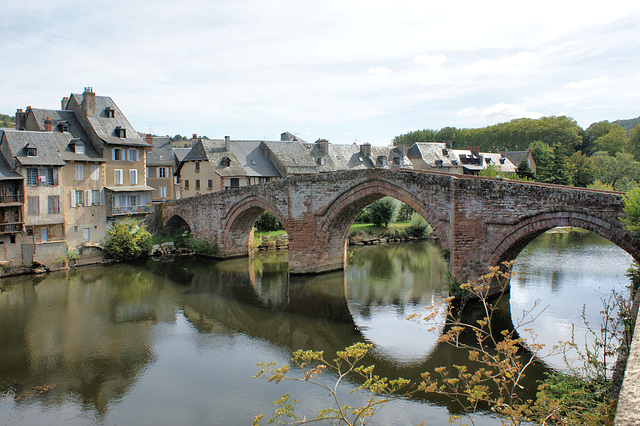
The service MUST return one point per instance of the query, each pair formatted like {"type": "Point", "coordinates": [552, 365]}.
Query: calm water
{"type": "Point", "coordinates": [167, 343]}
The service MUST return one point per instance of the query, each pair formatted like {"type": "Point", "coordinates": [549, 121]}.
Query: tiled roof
{"type": "Point", "coordinates": [161, 154]}
{"type": "Point", "coordinates": [253, 158]}
{"type": "Point", "coordinates": [47, 144]}
{"type": "Point", "coordinates": [293, 156]}
{"type": "Point", "coordinates": [215, 151]}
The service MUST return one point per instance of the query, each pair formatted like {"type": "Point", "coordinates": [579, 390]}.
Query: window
{"type": "Point", "coordinates": [133, 177]}
{"type": "Point", "coordinates": [85, 236]}
{"type": "Point", "coordinates": [186, 184]}
{"type": "Point", "coordinates": [87, 197]}
{"type": "Point", "coordinates": [210, 184]}
{"type": "Point", "coordinates": [197, 166]}
{"type": "Point", "coordinates": [79, 147]}
{"type": "Point", "coordinates": [117, 176]}
{"type": "Point", "coordinates": [95, 197]}
{"type": "Point", "coordinates": [109, 112]}
{"type": "Point", "coordinates": [78, 198]}
{"type": "Point", "coordinates": [133, 155]}
{"type": "Point", "coordinates": [235, 182]}
{"type": "Point", "coordinates": [53, 204]}
{"type": "Point", "coordinates": [176, 180]}
{"type": "Point", "coordinates": [31, 152]}
{"type": "Point", "coordinates": [121, 132]}
{"type": "Point", "coordinates": [79, 172]}
{"type": "Point", "coordinates": [95, 172]}
{"type": "Point", "coordinates": [32, 177]}
{"type": "Point", "coordinates": [63, 126]}
{"type": "Point", "coordinates": [163, 192]}
{"type": "Point", "coordinates": [161, 172]}
{"type": "Point", "coordinates": [33, 205]}
{"type": "Point", "coordinates": [225, 162]}
{"type": "Point", "coordinates": [117, 154]}
{"type": "Point", "coordinates": [52, 176]}
{"type": "Point", "coordinates": [197, 184]}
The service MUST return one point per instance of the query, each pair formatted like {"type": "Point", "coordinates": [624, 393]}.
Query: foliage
{"type": "Point", "coordinates": [267, 222]}
{"type": "Point", "coordinates": [632, 211]}
{"type": "Point", "coordinates": [203, 246]}
{"type": "Point", "coordinates": [620, 171]}
{"type": "Point", "coordinates": [612, 142]}
{"type": "Point", "coordinates": [363, 217]}
{"type": "Point", "coordinates": [128, 239]}
{"type": "Point", "coordinates": [582, 169]}
{"type": "Point", "coordinates": [598, 184]}
{"type": "Point", "coordinates": [406, 212]}
{"type": "Point", "coordinates": [383, 211]}
{"type": "Point", "coordinates": [7, 121]}
{"type": "Point", "coordinates": [419, 226]}
{"type": "Point", "coordinates": [314, 368]}
{"type": "Point", "coordinates": [72, 254]}
{"type": "Point", "coordinates": [524, 171]}
{"type": "Point", "coordinates": [633, 142]}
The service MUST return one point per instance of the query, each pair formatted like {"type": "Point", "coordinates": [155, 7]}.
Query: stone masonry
{"type": "Point", "coordinates": [479, 221]}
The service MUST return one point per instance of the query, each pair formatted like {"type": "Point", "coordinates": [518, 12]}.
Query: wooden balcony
{"type": "Point", "coordinates": [11, 228]}
{"type": "Point", "coordinates": [11, 199]}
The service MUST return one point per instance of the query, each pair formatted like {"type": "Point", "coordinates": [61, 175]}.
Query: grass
{"type": "Point", "coordinates": [367, 228]}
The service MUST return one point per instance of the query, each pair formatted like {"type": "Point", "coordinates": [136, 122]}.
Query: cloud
{"type": "Point", "coordinates": [431, 61]}
{"type": "Point", "coordinates": [379, 70]}
{"type": "Point", "coordinates": [596, 81]}
{"type": "Point", "coordinates": [500, 112]}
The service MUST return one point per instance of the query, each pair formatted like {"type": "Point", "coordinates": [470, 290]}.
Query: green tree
{"type": "Point", "coordinates": [425, 135]}
{"type": "Point", "coordinates": [633, 142]}
{"type": "Point", "coordinates": [524, 171]}
{"type": "Point", "coordinates": [128, 239]}
{"type": "Point", "coordinates": [267, 222]}
{"type": "Point", "coordinates": [7, 121]}
{"type": "Point", "coordinates": [632, 211]}
{"type": "Point", "coordinates": [613, 142]}
{"type": "Point", "coordinates": [383, 211]}
{"type": "Point", "coordinates": [543, 156]}
{"type": "Point", "coordinates": [621, 171]}
{"type": "Point", "coordinates": [582, 169]}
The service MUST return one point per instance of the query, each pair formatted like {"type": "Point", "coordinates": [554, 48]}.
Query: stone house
{"type": "Point", "coordinates": [438, 156]}
{"type": "Point", "coordinates": [161, 168]}
{"type": "Point", "coordinates": [11, 211]}
{"type": "Point", "coordinates": [517, 157]}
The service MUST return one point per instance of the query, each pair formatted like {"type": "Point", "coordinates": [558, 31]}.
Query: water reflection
{"type": "Point", "coordinates": [177, 342]}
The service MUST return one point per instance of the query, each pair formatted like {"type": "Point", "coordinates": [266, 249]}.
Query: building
{"type": "Point", "coordinates": [439, 157]}
{"type": "Point", "coordinates": [11, 211]}
{"type": "Point", "coordinates": [160, 168]}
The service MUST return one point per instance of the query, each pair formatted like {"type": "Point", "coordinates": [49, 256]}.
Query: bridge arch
{"type": "Point", "coordinates": [176, 224]}
{"type": "Point", "coordinates": [340, 214]}
{"type": "Point", "coordinates": [238, 223]}
{"type": "Point", "coordinates": [526, 230]}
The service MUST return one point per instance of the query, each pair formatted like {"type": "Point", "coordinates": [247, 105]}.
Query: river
{"type": "Point", "coordinates": [178, 342]}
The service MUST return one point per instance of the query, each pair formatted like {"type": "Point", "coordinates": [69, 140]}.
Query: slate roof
{"type": "Point", "coordinates": [48, 147]}
{"type": "Point", "coordinates": [178, 155]}
{"type": "Point", "coordinates": [214, 152]}
{"type": "Point", "coordinates": [105, 127]}
{"type": "Point", "coordinates": [75, 132]}
{"type": "Point", "coordinates": [6, 171]}
{"type": "Point", "coordinates": [339, 158]}
{"type": "Point", "coordinates": [161, 154]}
{"type": "Point", "coordinates": [293, 156]}
{"type": "Point", "coordinates": [434, 152]}
{"type": "Point", "coordinates": [253, 158]}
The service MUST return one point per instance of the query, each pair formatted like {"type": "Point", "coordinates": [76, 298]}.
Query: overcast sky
{"type": "Point", "coordinates": [363, 70]}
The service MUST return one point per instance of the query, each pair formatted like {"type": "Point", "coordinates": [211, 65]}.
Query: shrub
{"type": "Point", "coordinates": [383, 211]}
{"type": "Point", "coordinates": [128, 239]}
{"type": "Point", "coordinates": [632, 211]}
{"type": "Point", "coordinates": [418, 227]}
{"type": "Point", "coordinates": [267, 222]}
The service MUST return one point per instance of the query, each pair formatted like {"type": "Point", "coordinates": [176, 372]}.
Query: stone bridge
{"type": "Point", "coordinates": [479, 221]}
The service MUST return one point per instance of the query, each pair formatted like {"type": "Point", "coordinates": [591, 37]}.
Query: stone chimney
{"type": "Point", "coordinates": [324, 144]}
{"type": "Point", "coordinates": [447, 144]}
{"type": "Point", "coordinates": [47, 124]}
{"type": "Point", "coordinates": [195, 136]}
{"type": "Point", "coordinates": [20, 119]}
{"type": "Point", "coordinates": [64, 103]}
{"type": "Point", "coordinates": [148, 138]}
{"type": "Point", "coordinates": [227, 143]}
{"type": "Point", "coordinates": [89, 102]}
{"type": "Point", "coordinates": [365, 149]}
{"type": "Point", "coordinates": [474, 150]}
{"type": "Point", "coordinates": [402, 149]}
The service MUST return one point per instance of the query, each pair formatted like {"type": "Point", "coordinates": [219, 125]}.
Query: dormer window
{"type": "Point", "coordinates": [63, 126]}
{"type": "Point", "coordinates": [439, 163]}
{"type": "Point", "coordinates": [382, 160]}
{"type": "Point", "coordinates": [110, 112]}
{"type": "Point", "coordinates": [121, 132]}
{"type": "Point", "coordinates": [30, 150]}
{"type": "Point", "coordinates": [321, 161]}
{"type": "Point", "coordinates": [225, 162]}
{"type": "Point", "coordinates": [78, 147]}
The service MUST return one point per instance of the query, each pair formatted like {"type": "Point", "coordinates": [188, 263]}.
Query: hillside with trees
{"type": "Point", "coordinates": [7, 121]}
{"type": "Point", "coordinates": [604, 156]}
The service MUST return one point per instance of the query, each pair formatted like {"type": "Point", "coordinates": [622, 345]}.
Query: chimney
{"type": "Point", "coordinates": [365, 149]}
{"type": "Point", "coordinates": [447, 144]}
{"type": "Point", "coordinates": [324, 144]}
{"type": "Point", "coordinates": [474, 150]}
{"type": "Point", "coordinates": [20, 119]}
{"type": "Point", "coordinates": [89, 102]}
{"type": "Point", "coordinates": [402, 149]}
{"type": "Point", "coordinates": [195, 136]}
{"type": "Point", "coordinates": [47, 124]}
{"type": "Point", "coordinates": [148, 138]}
{"type": "Point", "coordinates": [227, 143]}
{"type": "Point", "coordinates": [64, 103]}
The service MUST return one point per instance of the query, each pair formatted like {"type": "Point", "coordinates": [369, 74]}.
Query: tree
{"type": "Point", "coordinates": [620, 171]}
{"type": "Point", "coordinates": [127, 240]}
{"type": "Point", "coordinates": [632, 211]}
{"type": "Point", "coordinates": [524, 171]}
{"type": "Point", "coordinates": [543, 156]}
{"type": "Point", "coordinates": [613, 142]}
{"type": "Point", "coordinates": [582, 169]}
{"type": "Point", "coordinates": [425, 135]}
{"type": "Point", "coordinates": [383, 211]}
{"type": "Point", "coordinates": [633, 142]}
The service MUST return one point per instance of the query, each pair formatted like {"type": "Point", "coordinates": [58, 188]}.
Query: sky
{"type": "Point", "coordinates": [347, 71]}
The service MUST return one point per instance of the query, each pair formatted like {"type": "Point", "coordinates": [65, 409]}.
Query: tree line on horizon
{"type": "Point", "coordinates": [606, 155]}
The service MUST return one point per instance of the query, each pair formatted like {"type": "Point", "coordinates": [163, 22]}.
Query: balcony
{"type": "Point", "coordinates": [10, 228]}
{"type": "Point", "coordinates": [11, 199]}
{"type": "Point", "coordinates": [130, 210]}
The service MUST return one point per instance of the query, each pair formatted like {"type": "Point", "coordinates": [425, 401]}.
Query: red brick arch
{"type": "Point", "coordinates": [340, 214]}
{"type": "Point", "coordinates": [522, 233]}
{"type": "Point", "coordinates": [240, 218]}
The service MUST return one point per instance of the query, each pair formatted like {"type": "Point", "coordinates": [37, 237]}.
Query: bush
{"type": "Point", "coordinates": [267, 222]}
{"type": "Point", "coordinates": [128, 239]}
{"type": "Point", "coordinates": [632, 211]}
{"type": "Point", "coordinates": [418, 227]}
{"type": "Point", "coordinates": [383, 211]}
